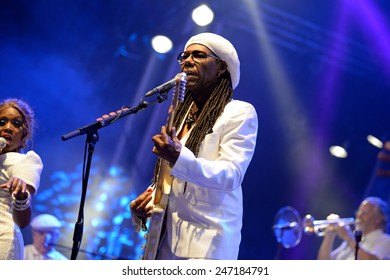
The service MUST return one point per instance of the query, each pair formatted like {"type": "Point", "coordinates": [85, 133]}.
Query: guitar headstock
{"type": "Point", "coordinates": [180, 88]}
{"type": "Point", "coordinates": [178, 96]}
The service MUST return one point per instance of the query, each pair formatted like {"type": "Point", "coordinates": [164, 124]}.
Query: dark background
{"type": "Point", "coordinates": [316, 71]}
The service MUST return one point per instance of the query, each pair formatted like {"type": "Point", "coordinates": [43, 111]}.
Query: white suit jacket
{"type": "Point", "coordinates": [204, 219]}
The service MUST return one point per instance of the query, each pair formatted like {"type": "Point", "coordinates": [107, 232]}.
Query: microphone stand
{"type": "Point", "coordinates": [85, 252]}
{"type": "Point", "coordinates": [358, 238]}
{"type": "Point", "coordinates": [92, 138]}
{"type": "Point", "coordinates": [280, 245]}
{"type": "Point", "coordinates": [280, 240]}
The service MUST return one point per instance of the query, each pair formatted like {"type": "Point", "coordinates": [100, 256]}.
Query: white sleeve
{"type": "Point", "coordinates": [232, 141]}
{"type": "Point", "coordinates": [29, 168]}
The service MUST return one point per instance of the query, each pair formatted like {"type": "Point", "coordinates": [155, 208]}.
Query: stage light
{"type": "Point", "coordinates": [161, 44]}
{"type": "Point", "coordinates": [202, 15]}
{"type": "Point", "coordinates": [338, 151]}
{"type": "Point", "coordinates": [374, 141]}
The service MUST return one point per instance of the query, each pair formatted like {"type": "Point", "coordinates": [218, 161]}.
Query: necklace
{"type": "Point", "coordinates": [191, 118]}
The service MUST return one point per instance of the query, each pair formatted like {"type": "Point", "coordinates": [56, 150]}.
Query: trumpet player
{"type": "Point", "coordinates": [371, 220]}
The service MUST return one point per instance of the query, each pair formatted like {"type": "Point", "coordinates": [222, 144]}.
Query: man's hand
{"type": "Point", "coordinates": [142, 206]}
{"type": "Point", "coordinates": [166, 145]}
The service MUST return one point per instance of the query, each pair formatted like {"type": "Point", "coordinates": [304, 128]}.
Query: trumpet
{"type": "Point", "coordinates": [289, 226]}
{"type": "Point", "coordinates": [318, 227]}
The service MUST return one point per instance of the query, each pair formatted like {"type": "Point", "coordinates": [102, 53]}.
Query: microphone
{"type": "Point", "coordinates": [162, 88]}
{"type": "Point", "coordinates": [47, 240]}
{"type": "Point", "coordinates": [358, 235]}
{"type": "Point", "coordinates": [3, 143]}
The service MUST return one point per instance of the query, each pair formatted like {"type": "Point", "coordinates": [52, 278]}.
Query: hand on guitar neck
{"type": "Point", "coordinates": [167, 145]}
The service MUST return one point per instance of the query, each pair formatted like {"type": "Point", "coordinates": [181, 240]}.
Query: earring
{"type": "Point", "coordinates": [29, 144]}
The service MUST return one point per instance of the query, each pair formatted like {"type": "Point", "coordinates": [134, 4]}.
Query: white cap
{"type": "Point", "coordinates": [223, 49]}
{"type": "Point", "coordinates": [45, 222]}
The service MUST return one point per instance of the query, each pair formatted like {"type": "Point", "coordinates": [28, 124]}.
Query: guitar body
{"type": "Point", "coordinates": [163, 184]}
{"type": "Point", "coordinates": [155, 231]}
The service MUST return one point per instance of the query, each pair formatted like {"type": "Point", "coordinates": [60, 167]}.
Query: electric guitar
{"type": "Point", "coordinates": [164, 180]}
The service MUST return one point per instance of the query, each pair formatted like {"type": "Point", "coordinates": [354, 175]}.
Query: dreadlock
{"type": "Point", "coordinates": [220, 96]}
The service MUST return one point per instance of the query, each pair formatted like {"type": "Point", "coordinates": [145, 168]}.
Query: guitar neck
{"type": "Point", "coordinates": [163, 173]}
{"type": "Point", "coordinates": [169, 124]}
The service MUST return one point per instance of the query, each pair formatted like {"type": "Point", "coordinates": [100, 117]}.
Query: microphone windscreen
{"type": "Point", "coordinates": [3, 143]}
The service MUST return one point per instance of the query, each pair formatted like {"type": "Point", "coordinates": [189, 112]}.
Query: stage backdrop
{"type": "Point", "coordinates": [317, 72]}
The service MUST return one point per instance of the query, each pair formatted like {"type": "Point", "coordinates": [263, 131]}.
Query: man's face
{"type": "Point", "coordinates": [368, 217]}
{"type": "Point", "coordinates": [202, 70]}
{"type": "Point", "coordinates": [43, 239]}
